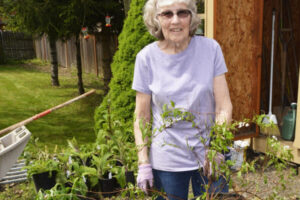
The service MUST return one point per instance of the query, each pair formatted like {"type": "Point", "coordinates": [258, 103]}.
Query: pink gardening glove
{"type": "Point", "coordinates": [207, 167]}
{"type": "Point", "coordinates": [145, 177]}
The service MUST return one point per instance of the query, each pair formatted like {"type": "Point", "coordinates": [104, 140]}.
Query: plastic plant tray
{"type": "Point", "coordinates": [11, 147]}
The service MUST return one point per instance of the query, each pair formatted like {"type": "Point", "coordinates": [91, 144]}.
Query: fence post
{"type": "Point", "coordinates": [95, 55]}
{"type": "Point", "coordinates": [1, 49]}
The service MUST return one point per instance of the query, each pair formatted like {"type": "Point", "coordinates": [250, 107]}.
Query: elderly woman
{"type": "Point", "coordinates": [190, 71]}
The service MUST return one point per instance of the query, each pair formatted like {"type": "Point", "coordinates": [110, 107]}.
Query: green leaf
{"type": "Point", "coordinates": [173, 104]}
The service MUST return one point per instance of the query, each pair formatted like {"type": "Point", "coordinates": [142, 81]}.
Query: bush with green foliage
{"type": "Point", "coordinates": [121, 98]}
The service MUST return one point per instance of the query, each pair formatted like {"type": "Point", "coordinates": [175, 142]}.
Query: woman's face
{"type": "Point", "coordinates": [175, 22]}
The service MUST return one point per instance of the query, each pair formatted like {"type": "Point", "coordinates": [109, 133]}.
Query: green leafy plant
{"type": "Point", "coordinates": [39, 161]}
{"type": "Point", "coordinates": [114, 137]}
{"type": "Point", "coordinates": [41, 166]}
{"type": "Point", "coordinates": [221, 140]}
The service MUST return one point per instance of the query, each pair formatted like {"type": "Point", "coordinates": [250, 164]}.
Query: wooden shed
{"type": "Point", "coordinates": [243, 29]}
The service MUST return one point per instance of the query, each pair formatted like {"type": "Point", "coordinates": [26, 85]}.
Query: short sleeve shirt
{"type": "Point", "coordinates": [185, 78]}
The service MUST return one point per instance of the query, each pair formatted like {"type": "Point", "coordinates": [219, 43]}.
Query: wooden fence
{"type": "Point", "coordinates": [91, 52]}
{"type": "Point", "coordinates": [16, 46]}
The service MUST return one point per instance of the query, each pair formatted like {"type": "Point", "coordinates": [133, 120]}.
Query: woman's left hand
{"type": "Point", "coordinates": [145, 177]}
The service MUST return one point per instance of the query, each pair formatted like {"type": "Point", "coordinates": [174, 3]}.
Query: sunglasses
{"type": "Point", "coordinates": [180, 13]}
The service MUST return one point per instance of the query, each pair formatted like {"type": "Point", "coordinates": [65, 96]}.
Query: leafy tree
{"type": "Point", "coordinates": [36, 17]}
{"type": "Point", "coordinates": [1, 51]}
{"type": "Point", "coordinates": [121, 98]}
{"type": "Point", "coordinates": [65, 19]}
{"type": "Point", "coordinates": [77, 14]}
{"type": "Point", "coordinates": [200, 6]}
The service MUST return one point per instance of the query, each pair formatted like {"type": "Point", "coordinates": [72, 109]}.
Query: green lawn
{"type": "Point", "coordinates": [26, 90]}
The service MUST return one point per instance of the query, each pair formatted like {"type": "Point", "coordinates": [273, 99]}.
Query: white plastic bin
{"type": "Point", "coordinates": [11, 147]}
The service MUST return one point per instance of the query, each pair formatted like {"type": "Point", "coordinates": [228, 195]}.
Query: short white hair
{"type": "Point", "coordinates": [152, 23]}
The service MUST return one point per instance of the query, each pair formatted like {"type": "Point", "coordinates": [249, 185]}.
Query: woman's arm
{"type": "Point", "coordinates": [142, 113]}
{"type": "Point", "coordinates": [222, 99]}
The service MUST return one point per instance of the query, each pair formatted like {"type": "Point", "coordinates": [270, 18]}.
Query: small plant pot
{"type": "Point", "coordinates": [130, 177]}
{"type": "Point", "coordinates": [89, 161]}
{"type": "Point", "coordinates": [44, 181]}
{"type": "Point", "coordinates": [109, 187]}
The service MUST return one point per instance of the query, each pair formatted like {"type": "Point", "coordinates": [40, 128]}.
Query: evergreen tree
{"type": "Point", "coordinates": [121, 98]}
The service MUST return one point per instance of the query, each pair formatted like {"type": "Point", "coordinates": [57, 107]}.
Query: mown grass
{"type": "Point", "coordinates": [26, 90]}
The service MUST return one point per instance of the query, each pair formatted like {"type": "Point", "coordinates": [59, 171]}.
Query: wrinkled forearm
{"type": "Point", "coordinates": [140, 143]}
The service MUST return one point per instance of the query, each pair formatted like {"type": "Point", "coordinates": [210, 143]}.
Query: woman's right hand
{"type": "Point", "coordinates": [145, 177]}
{"type": "Point", "coordinates": [207, 167]}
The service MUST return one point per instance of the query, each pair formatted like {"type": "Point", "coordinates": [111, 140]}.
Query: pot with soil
{"type": "Point", "coordinates": [109, 187]}
{"type": "Point", "coordinates": [44, 180]}
{"type": "Point", "coordinates": [105, 187]}
{"type": "Point", "coordinates": [129, 176]}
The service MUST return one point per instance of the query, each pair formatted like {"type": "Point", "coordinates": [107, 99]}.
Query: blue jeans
{"type": "Point", "coordinates": [176, 184]}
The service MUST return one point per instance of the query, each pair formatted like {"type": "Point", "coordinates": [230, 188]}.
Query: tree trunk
{"type": "Point", "coordinates": [107, 47]}
{"type": "Point", "coordinates": [79, 67]}
{"type": "Point", "coordinates": [54, 63]}
{"type": "Point", "coordinates": [1, 49]}
{"type": "Point", "coordinates": [126, 6]}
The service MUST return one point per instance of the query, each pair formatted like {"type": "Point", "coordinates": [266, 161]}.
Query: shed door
{"type": "Point", "coordinates": [238, 29]}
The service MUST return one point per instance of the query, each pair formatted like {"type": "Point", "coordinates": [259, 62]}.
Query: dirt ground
{"type": "Point", "coordinates": [259, 189]}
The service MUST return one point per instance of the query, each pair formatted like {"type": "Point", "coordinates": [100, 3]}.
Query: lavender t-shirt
{"type": "Point", "coordinates": [186, 79]}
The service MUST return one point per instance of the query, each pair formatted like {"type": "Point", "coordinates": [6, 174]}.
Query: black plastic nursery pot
{"type": "Point", "coordinates": [130, 177]}
{"type": "Point", "coordinates": [44, 180]}
{"type": "Point", "coordinates": [107, 187]}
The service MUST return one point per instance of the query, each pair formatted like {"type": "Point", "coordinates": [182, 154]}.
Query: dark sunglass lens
{"type": "Point", "coordinates": [183, 13]}
{"type": "Point", "coordinates": [167, 14]}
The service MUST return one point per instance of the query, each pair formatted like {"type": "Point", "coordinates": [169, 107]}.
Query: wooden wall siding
{"type": "Point", "coordinates": [295, 10]}
{"type": "Point", "coordinates": [238, 29]}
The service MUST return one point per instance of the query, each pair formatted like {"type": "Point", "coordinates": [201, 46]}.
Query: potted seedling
{"type": "Point", "coordinates": [100, 177]}
{"type": "Point", "coordinates": [41, 165]}
{"type": "Point", "coordinates": [126, 154]}
{"type": "Point", "coordinates": [44, 173]}
{"type": "Point", "coordinates": [113, 137]}
{"type": "Point", "coordinates": [81, 154]}
{"type": "Point", "coordinates": [43, 170]}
